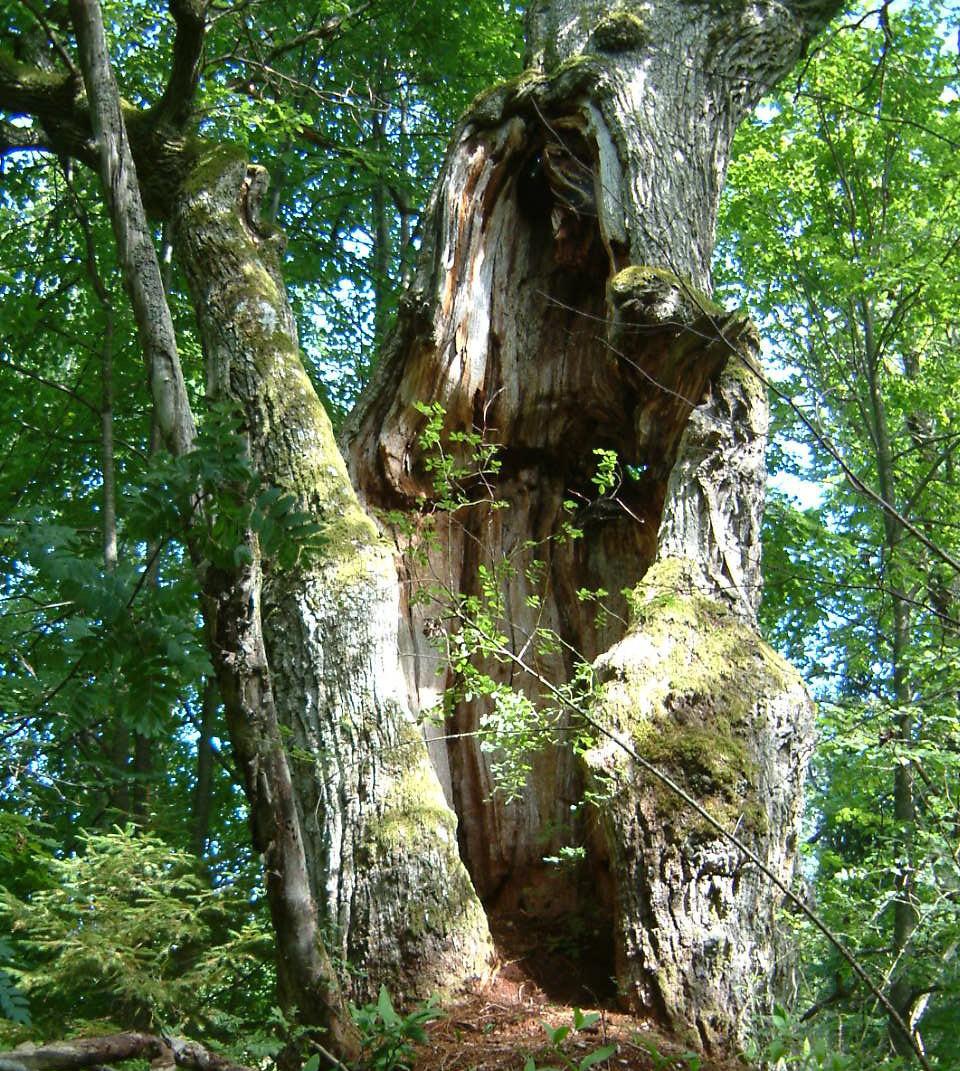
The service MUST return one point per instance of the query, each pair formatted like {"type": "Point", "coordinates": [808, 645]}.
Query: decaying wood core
{"type": "Point", "coordinates": [529, 327]}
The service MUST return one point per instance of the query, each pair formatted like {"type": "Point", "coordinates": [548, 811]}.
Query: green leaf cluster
{"type": "Point", "coordinates": [127, 933]}
{"type": "Point", "coordinates": [557, 1035]}
{"type": "Point", "coordinates": [387, 1036]}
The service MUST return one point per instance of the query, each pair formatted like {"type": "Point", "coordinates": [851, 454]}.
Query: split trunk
{"type": "Point", "coordinates": [562, 308]}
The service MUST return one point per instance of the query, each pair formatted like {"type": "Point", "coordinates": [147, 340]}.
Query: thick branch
{"type": "Point", "coordinates": [813, 15]}
{"type": "Point", "coordinates": [63, 125]}
{"type": "Point", "coordinates": [18, 139]}
{"type": "Point", "coordinates": [51, 99]}
{"type": "Point", "coordinates": [176, 104]}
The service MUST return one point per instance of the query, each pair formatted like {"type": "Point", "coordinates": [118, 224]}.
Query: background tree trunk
{"type": "Point", "coordinates": [203, 791]}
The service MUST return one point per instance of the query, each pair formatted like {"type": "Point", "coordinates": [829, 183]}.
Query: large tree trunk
{"type": "Point", "coordinates": [561, 307]}
{"type": "Point", "coordinates": [379, 840]}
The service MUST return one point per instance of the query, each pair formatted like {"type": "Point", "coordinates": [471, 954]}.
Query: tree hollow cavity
{"type": "Point", "coordinates": [528, 327]}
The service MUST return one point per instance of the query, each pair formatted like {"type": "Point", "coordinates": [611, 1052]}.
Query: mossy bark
{"type": "Point", "coordinates": [562, 305]}
{"type": "Point", "coordinates": [694, 690]}
{"type": "Point", "coordinates": [379, 842]}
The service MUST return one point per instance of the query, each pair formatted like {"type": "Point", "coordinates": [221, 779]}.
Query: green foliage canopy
{"type": "Point", "coordinates": [841, 230]}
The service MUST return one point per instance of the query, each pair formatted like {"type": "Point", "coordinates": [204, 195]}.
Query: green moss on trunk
{"type": "Point", "coordinates": [620, 31]}
{"type": "Point", "coordinates": [689, 698]}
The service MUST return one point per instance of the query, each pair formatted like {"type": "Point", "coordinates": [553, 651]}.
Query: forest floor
{"type": "Point", "coordinates": [503, 1024]}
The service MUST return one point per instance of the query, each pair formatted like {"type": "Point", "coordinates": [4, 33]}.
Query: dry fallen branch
{"type": "Point", "coordinates": [114, 1048]}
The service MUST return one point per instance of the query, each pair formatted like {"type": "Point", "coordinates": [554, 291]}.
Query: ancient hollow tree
{"type": "Point", "coordinates": [562, 305]}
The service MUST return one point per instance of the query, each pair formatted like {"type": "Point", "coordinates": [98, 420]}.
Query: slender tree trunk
{"type": "Point", "coordinates": [202, 793]}
{"type": "Point", "coordinates": [906, 916]}
{"type": "Point", "coordinates": [143, 771]}
{"type": "Point", "coordinates": [138, 257]}
{"type": "Point", "coordinates": [381, 256]}
{"type": "Point", "coordinates": [118, 803]}
{"type": "Point", "coordinates": [404, 247]}
{"type": "Point", "coordinates": [106, 435]}
{"type": "Point", "coordinates": [117, 806]}
{"type": "Point", "coordinates": [905, 913]}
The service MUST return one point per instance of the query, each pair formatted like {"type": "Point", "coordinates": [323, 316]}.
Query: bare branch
{"type": "Point", "coordinates": [327, 29]}
{"type": "Point", "coordinates": [54, 38]}
{"type": "Point", "coordinates": [6, 362]}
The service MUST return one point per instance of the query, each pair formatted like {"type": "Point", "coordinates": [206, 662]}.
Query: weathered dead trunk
{"type": "Point", "coordinates": [561, 307]}
{"type": "Point", "coordinates": [379, 841]}
{"type": "Point", "coordinates": [163, 1052]}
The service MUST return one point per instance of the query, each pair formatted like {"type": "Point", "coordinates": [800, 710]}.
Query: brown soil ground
{"type": "Point", "coordinates": [502, 1025]}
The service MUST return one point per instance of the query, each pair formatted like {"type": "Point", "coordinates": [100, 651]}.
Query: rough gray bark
{"type": "Point", "coordinates": [677, 77]}
{"type": "Point", "coordinates": [308, 983]}
{"type": "Point", "coordinates": [561, 306]}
